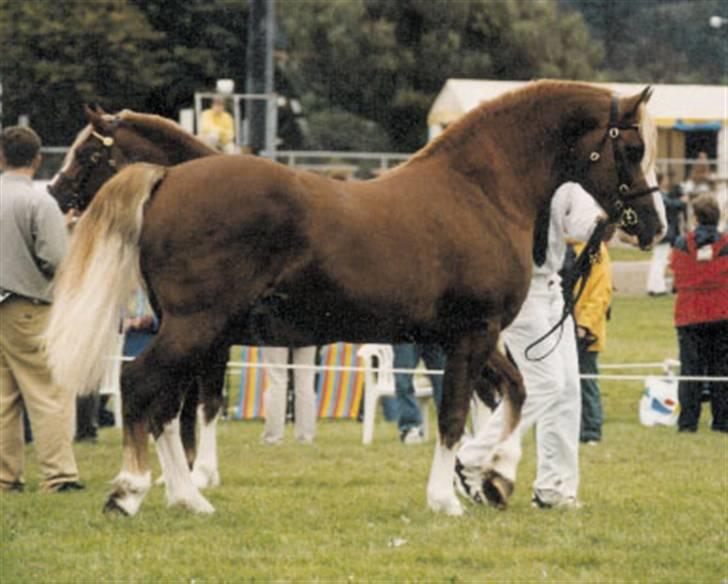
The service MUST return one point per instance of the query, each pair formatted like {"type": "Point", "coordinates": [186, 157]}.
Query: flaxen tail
{"type": "Point", "coordinates": [96, 278]}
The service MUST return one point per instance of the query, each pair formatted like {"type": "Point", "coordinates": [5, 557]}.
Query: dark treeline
{"type": "Point", "coordinates": [365, 71]}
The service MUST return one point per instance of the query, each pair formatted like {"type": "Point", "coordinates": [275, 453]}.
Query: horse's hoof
{"type": "Point", "coordinates": [196, 504]}
{"type": "Point", "coordinates": [449, 506]}
{"type": "Point", "coordinates": [204, 479]}
{"type": "Point", "coordinates": [497, 489]}
{"type": "Point", "coordinates": [160, 481]}
{"type": "Point", "coordinates": [112, 507]}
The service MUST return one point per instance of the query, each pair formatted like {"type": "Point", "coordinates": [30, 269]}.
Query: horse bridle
{"type": "Point", "coordinates": [96, 158]}
{"type": "Point", "coordinates": [622, 213]}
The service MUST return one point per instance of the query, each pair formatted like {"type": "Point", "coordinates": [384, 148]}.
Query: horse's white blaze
{"type": "Point", "coordinates": [131, 489]}
{"type": "Point", "coordinates": [205, 472]}
{"type": "Point", "coordinates": [71, 154]}
{"type": "Point", "coordinates": [180, 489]}
{"type": "Point", "coordinates": [441, 488]}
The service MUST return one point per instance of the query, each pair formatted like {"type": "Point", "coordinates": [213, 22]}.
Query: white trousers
{"type": "Point", "coordinates": [275, 395]}
{"type": "Point", "coordinates": [553, 402]}
{"type": "Point", "coordinates": [658, 263]}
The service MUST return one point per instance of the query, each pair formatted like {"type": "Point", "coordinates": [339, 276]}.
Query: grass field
{"type": "Point", "coordinates": [655, 507]}
{"type": "Point", "coordinates": [628, 254]}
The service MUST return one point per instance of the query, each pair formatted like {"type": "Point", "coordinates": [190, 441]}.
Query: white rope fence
{"type": "Point", "coordinates": [605, 376]}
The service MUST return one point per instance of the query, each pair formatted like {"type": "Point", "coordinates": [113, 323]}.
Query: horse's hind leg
{"type": "Point", "coordinates": [154, 387]}
{"type": "Point", "coordinates": [465, 359]}
{"type": "Point", "coordinates": [205, 471]}
{"type": "Point", "coordinates": [500, 477]}
{"type": "Point", "coordinates": [135, 478]}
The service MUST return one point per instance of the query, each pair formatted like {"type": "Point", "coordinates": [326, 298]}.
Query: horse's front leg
{"type": "Point", "coordinates": [465, 360]}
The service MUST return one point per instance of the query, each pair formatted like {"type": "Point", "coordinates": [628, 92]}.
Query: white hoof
{"type": "Point", "coordinates": [448, 505]}
{"type": "Point", "coordinates": [129, 492]}
{"type": "Point", "coordinates": [204, 478]}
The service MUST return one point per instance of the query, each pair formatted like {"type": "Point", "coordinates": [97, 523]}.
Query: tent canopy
{"type": "Point", "coordinates": [670, 104]}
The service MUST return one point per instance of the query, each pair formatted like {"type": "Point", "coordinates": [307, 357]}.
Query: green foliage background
{"type": "Point", "coordinates": [351, 62]}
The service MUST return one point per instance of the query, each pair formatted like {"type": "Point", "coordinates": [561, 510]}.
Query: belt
{"type": "Point", "coordinates": [6, 296]}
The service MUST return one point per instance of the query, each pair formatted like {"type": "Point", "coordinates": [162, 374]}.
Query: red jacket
{"type": "Point", "coordinates": [701, 284]}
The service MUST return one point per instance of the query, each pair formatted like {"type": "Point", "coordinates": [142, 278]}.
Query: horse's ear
{"type": "Point", "coordinates": [632, 104]}
{"type": "Point", "coordinates": [94, 118]}
{"type": "Point", "coordinates": [99, 110]}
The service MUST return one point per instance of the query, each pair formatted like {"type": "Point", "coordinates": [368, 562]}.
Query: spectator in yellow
{"type": "Point", "coordinates": [217, 127]}
{"type": "Point", "coordinates": [590, 314]}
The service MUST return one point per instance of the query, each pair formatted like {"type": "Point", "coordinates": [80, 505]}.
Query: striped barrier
{"type": "Point", "coordinates": [339, 383]}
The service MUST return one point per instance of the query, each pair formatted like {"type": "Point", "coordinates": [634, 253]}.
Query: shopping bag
{"type": "Point", "coordinates": [659, 405]}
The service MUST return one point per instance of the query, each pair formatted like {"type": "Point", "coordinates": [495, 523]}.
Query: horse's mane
{"type": "Point", "coordinates": [160, 126]}
{"type": "Point", "coordinates": [470, 123]}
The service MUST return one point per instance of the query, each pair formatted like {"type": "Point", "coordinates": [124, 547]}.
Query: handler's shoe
{"type": "Point", "coordinates": [469, 482]}
{"type": "Point", "coordinates": [412, 436]}
{"type": "Point", "coordinates": [563, 503]}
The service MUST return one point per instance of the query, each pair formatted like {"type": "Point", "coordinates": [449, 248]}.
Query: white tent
{"type": "Point", "coordinates": [677, 109]}
{"type": "Point", "coordinates": [690, 104]}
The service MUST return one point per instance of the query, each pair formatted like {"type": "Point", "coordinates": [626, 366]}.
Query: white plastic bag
{"type": "Point", "coordinates": [659, 405]}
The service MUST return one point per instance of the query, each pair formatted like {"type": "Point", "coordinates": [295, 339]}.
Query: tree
{"type": "Point", "coordinates": [59, 55]}
{"type": "Point", "coordinates": [386, 61]}
{"type": "Point", "coordinates": [658, 41]}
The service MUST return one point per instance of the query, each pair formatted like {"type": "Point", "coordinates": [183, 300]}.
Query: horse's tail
{"type": "Point", "coordinates": [96, 278]}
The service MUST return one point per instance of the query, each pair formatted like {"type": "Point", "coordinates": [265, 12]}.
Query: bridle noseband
{"type": "Point", "coordinates": [622, 213]}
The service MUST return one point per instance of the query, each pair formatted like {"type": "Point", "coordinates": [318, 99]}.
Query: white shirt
{"type": "Point", "coordinates": [574, 214]}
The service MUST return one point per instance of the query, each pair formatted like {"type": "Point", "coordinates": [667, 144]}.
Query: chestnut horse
{"type": "Point", "coordinates": [237, 249]}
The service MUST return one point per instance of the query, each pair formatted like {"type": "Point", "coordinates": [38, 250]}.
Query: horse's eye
{"type": "Point", "coordinates": [95, 157]}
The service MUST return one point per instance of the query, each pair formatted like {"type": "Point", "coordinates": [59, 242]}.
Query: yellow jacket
{"type": "Point", "coordinates": [219, 125]}
{"type": "Point", "coordinates": [591, 310]}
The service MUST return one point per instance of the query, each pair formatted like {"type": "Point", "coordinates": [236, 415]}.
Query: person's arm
{"type": "Point", "coordinates": [581, 213]}
{"type": "Point", "coordinates": [50, 239]}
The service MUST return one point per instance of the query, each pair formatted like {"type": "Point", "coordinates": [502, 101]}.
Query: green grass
{"type": "Point", "coordinates": [628, 254]}
{"type": "Point", "coordinates": [655, 507]}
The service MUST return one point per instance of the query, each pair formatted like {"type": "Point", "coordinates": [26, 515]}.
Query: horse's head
{"type": "Point", "coordinates": [101, 149]}
{"type": "Point", "coordinates": [610, 151]}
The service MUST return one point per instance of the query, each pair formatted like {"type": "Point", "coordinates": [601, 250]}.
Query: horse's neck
{"type": "Point", "coordinates": [173, 145]}
{"type": "Point", "coordinates": [512, 155]}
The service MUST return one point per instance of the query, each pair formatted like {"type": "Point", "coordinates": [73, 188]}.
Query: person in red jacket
{"type": "Point", "coordinates": [700, 265]}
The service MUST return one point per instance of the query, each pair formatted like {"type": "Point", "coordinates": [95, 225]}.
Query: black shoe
{"type": "Point", "coordinates": [68, 486]}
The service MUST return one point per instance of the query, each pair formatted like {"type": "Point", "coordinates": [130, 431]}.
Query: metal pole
{"type": "Point", "coordinates": [259, 57]}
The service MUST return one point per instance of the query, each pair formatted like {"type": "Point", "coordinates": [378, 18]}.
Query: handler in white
{"type": "Point", "coordinates": [553, 397]}
{"type": "Point", "coordinates": [275, 395]}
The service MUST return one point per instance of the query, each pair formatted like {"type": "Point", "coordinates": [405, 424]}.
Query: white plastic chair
{"type": "Point", "coordinates": [379, 382]}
